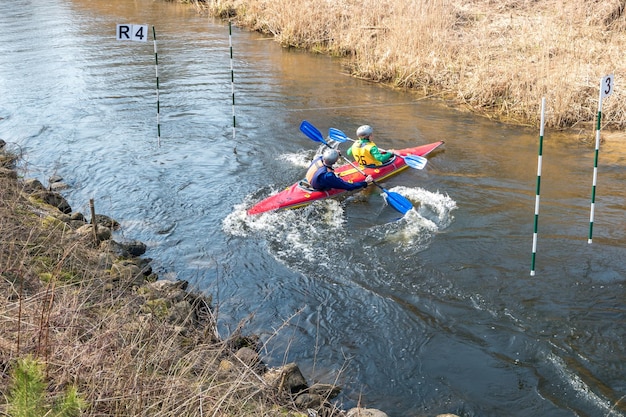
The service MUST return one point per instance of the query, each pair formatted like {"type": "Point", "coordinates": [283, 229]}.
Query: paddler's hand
{"type": "Point", "coordinates": [369, 179]}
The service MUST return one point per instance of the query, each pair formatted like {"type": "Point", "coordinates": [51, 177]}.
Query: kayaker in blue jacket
{"type": "Point", "coordinates": [364, 150]}
{"type": "Point", "coordinates": [322, 177]}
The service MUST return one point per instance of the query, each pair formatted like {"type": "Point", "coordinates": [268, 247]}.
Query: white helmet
{"type": "Point", "coordinates": [364, 131]}
{"type": "Point", "coordinates": [329, 157]}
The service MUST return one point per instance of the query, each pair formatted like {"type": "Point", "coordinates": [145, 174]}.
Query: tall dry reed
{"type": "Point", "coordinates": [498, 58]}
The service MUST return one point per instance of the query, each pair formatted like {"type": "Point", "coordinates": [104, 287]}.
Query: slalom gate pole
{"type": "Point", "coordinates": [606, 88]}
{"type": "Point", "coordinates": [156, 68]}
{"type": "Point", "coordinates": [232, 74]}
{"type": "Point", "coordinates": [539, 163]}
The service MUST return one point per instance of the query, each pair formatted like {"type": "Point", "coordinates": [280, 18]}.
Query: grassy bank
{"type": "Point", "coordinates": [84, 330]}
{"type": "Point", "coordinates": [496, 58]}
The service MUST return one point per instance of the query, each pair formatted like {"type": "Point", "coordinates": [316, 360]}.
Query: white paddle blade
{"type": "Point", "coordinates": [414, 161]}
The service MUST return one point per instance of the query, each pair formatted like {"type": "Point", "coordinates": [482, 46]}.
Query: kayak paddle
{"type": "Point", "coordinates": [395, 200]}
{"type": "Point", "coordinates": [414, 161]}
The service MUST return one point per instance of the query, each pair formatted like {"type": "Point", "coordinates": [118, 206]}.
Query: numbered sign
{"type": "Point", "coordinates": [137, 33]}
{"type": "Point", "coordinates": [606, 88]}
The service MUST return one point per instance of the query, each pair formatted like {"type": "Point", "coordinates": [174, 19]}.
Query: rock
{"type": "Point", "coordinates": [57, 186]}
{"type": "Point", "coordinates": [32, 185]}
{"type": "Point", "coordinates": [166, 293]}
{"type": "Point", "coordinates": [304, 401]}
{"type": "Point", "coordinates": [135, 248]}
{"type": "Point", "coordinates": [144, 265]}
{"type": "Point", "coordinates": [365, 412]}
{"type": "Point", "coordinates": [55, 178]}
{"type": "Point", "coordinates": [124, 250]}
{"type": "Point", "coordinates": [226, 365]}
{"type": "Point", "coordinates": [114, 248]}
{"type": "Point", "coordinates": [247, 356]}
{"type": "Point", "coordinates": [77, 220]}
{"type": "Point", "coordinates": [61, 216]}
{"type": "Point", "coordinates": [104, 233]}
{"type": "Point", "coordinates": [78, 216]}
{"type": "Point", "coordinates": [169, 301]}
{"type": "Point", "coordinates": [53, 199]}
{"type": "Point", "coordinates": [251, 358]}
{"type": "Point", "coordinates": [328, 391]}
{"type": "Point", "coordinates": [286, 378]}
{"type": "Point", "coordinates": [123, 271]}
{"type": "Point", "coordinates": [180, 313]}
{"type": "Point", "coordinates": [76, 224]}
{"type": "Point", "coordinates": [103, 220]}
{"type": "Point", "coordinates": [173, 290]}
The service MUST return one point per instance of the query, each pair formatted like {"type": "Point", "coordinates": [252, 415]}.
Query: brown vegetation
{"type": "Point", "coordinates": [95, 322]}
{"type": "Point", "coordinates": [497, 58]}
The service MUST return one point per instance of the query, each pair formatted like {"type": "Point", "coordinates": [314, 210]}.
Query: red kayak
{"type": "Point", "coordinates": [300, 194]}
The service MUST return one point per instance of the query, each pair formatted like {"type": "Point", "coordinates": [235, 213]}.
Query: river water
{"type": "Point", "coordinates": [430, 313]}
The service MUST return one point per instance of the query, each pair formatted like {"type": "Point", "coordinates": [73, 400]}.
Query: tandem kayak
{"type": "Point", "coordinates": [300, 194]}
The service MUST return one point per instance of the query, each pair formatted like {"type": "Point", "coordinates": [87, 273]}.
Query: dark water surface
{"type": "Point", "coordinates": [433, 313]}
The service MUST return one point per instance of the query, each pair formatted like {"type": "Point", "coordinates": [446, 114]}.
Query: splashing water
{"type": "Point", "coordinates": [302, 234]}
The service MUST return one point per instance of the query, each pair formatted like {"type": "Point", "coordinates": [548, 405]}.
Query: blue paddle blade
{"type": "Point", "coordinates": [312, 132]}
{"type": "Point", "coordinates": [398, 202]}
{"type": "Point", "coordinates": [337, 135]}
{"type": "Point", "coordinates": [414, 161]}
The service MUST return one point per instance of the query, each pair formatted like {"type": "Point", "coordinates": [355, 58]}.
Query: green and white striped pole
{"type": "Point", "coordinates": [606, 88]}
{"type": "Point", "coordinates": [539, 162]}
{"type": "Point", "coordinates": [232, 74]}
{"type": "Point", "coordinates": [156, 68]}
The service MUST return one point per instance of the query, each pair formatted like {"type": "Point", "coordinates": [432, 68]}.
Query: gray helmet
{"type": "Point", "coordinates": [329, 157]}
{"type": "Point", "coordinates": [364, 131]}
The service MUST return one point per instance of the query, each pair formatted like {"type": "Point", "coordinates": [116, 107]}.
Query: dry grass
{"type": "Point", "coordinates": [60, 305]}
{"type": "Point", "coordinates": [497, 58]}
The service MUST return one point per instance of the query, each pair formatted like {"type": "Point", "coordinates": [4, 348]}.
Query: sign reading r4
{"type": "Point", "coordinates": [138, 33]}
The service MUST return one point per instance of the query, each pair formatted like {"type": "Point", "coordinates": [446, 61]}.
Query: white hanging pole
{"type": "Point", "coordinates": [539, 163]}
{"type": "Point", "coordinates": [606, 88]}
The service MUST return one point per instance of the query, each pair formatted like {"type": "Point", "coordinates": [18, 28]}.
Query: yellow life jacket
{"type": "Point", "coordinates": [362, 155]}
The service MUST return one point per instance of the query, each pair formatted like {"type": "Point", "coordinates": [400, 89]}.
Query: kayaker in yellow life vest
{"type": "Point", "coordinates": [365, 152]}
